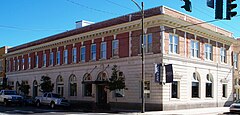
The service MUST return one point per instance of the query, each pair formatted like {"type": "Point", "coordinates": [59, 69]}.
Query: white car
{"type": "Point", "coordinates": [10, 96]}
{"type": "Point", "coordinates": [235, 107]}
{"type": "Point", "coordinates": [51, 99]}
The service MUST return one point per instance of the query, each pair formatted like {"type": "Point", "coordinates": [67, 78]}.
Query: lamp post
{"type": "Point", "coordinates": [142, 52]}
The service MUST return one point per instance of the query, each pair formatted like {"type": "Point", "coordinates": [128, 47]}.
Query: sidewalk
{"type": "Point", "coordinates": [197, 111]}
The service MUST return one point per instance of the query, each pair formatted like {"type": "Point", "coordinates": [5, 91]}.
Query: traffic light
{"type": "Point", "coordinates": [230, 7]}
{"type": "Point", "coordinates": [219, 9]}
{"type": "Point", "coordinates": [187, 6]}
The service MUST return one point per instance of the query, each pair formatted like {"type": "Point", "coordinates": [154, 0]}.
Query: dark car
{"type": "Point", "coordinates": [235, 107]}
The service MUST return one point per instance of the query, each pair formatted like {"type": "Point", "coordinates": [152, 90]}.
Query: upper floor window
{"type": "Point", "coordinates": [223, 55]}
{"type": "Point", "coordinates": [208, 52]}
{"type": "Point", "coordinates": [115, 48]}
{"type": "Point", "coordinates": [194, 48]}
{"type": "Point", "coordinates": [23, 61]}
{"type": "Point", "coordinates": [147, 43]}
{"type": "Point", "coordinates": [44, 59]}
{"type": "Point", "coordinates": [36, 61]}
{"type": "Point", "coordinates": [14, 65]}
{"type": "Point", "coordinates": [18, 64]}
{"type": "Point", "coordinates": [83, 53]}
{"type": "Point", "coordinates": [7, 65]}
{"type": "Point", "coordinates": [235, 60]}
{"type": "Point", "coordinates": [51, 59]}
{"type": "Point", "coordinates": [65, 57]}
{"type": "Point", "coordinates": [173, 43]}
{"type": "Point", "coordinates": [93, 52]}
{"type": "Point", "coordinates": [29, 62]}
{"type": "Point", "coordinates": [103, 53]}
{"type": "Point", "coordinates": [74, 55]}
{"type": "Point", "coordinates": [58, 57]}
{"type": "Point", "coordinates": [1, 65]}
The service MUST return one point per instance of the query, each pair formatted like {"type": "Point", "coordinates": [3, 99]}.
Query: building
{"type": "Point", "coordinates": [79, 61]}
{"type": "Point", "coordinates": [3, 50]}
{"type": "Point", "coordinates": [236, 72]}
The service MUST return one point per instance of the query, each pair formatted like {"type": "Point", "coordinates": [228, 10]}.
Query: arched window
{"type": "Point", "coordinates": [209, 85]}
{"type": "Point", "coordinates": [195, 85]}
{"type": "Point", "coordinates": [87, 85]}
{"type": "Point", "coordinates": [60, 85]}
{"type": "Point", "coordinates": [73, 85]}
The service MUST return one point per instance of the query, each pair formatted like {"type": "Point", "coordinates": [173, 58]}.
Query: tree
{"type": "Point", "coordinates": [24, 88]}
{"type": "Point", "coordinates": [116, 81]}
{"type": "Point", "coordinates": [46, 85]}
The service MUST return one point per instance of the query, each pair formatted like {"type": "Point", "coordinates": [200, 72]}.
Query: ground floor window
{"type": "Point", "coordinates": [60, 90]}
{"type": "Point", "coordinates": [87, 90]}
{"type": "Point", "coordinates": [73, 89]}
{"type": "Point", "coordinates": [208, 89]}
{"type": "Point", "coordinates": [147, 89]}
{"type": "Point", "coordinates": [175, 89]}
{"type": "Point", "coordinates": [224, 90]}
{"type": "Point", "coordinates": [195, 89]}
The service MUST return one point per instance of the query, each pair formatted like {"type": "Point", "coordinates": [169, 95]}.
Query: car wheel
{"type": "Point", "coordinates": [5, 102]}
{"type": "Point", "coordinates": [52, 105]}
{"type": "Point", "coordinates": [38, 103]}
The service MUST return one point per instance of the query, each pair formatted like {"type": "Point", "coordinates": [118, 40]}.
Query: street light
{"type": "Point", "coordinates": [142, 51]}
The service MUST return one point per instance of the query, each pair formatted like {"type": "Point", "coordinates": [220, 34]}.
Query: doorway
{"type": "Point", "coordinates": [101, 95]}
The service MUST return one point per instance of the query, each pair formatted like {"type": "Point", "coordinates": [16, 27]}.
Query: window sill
{"type": "Point", "coordinates": [195, 98]}
{"type": "Point", "coordinates": [102, 59]}
{"type": "Point", "coordinates": [174, 54]}
{"type": "Point", "coordinates": [92, 60]}
{"type": "Point", "coordinates": [115, 57]}
{"type": "Point", "coordinates": [174, 99]}
{"type": "Point", "coordinates": [209, 98]}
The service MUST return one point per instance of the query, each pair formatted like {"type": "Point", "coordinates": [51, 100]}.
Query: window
{"type": "Point", "coordinates": [36, 61]}
{"type": "Point", "coordinates": [235, 60]}
{"type": "Point", "coordinates": [224, 90]}
{"type": "Point", "coordinates": [14, 65]}
{"type": "Point", "coordinates": [103, 54]}
{"type": "Point", "coordinates": [115, 48]}
{"type": "Point", "coordinates": [1, 65]}
{"type": "Point", "coordinates": [51, 59]}
{"type": "Point", "coordinates": [65, 57]}
{"type": "Point", "coordinates": [73, 85]}
{"type": "Point", "coordinates": [173, 43]}
{"type": "Point", "coordinates": [118, 92]}
{"type": "Point", "coordinates": [23, 61]}
{"type": "Point", "coordinates": [18, 64]}
{"type": "Point", "coordinates": [29, 62]}
{"type": "Point", "coordinates": [83, 51]}
{"type": "Point", "coordinates": [194, 48]}
{"type": "Point", "coordinates": [223, 54]}
{"type": "Point", "coordinates": [58, 57]}
{"type": "Point", "coordinates": [74, 55]}
{"type": "Point", "coordinates": [209, 85]}
{"type": "Point", "coordinates": [208, 52]}
{"type": "Point", "coordinates": [147, 89]}
{"type": "Point", "coordinates": [60, 85]}
{"type": "Point", "coordinates": [93, 52]}
{"type": "Point", "coordinates": [195, 86]}
{"type": "Point", "coordinates": [147, 43]}
{"type": "Point", "coordinates": [175, 89]}
{"type": "Point", "coordinates": [87, 87]}
{"type": "Point", "coordinates": [44, 60]}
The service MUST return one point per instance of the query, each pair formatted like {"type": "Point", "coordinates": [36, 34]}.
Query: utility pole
{"type": "Point", "coordinates": [142, 56]}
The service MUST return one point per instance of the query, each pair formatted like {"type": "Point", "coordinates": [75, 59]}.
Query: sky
{"type": "Point", "coordinates": [23, 21]}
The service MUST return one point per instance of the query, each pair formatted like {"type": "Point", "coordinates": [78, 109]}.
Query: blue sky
{"type": "Point", "coordinates": [28, 20]}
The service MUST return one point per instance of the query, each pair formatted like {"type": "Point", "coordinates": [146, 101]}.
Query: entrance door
{"type": "Point", "coordinates": [35, 89]}
{"type": "Point", "coordinates": [101, 95]}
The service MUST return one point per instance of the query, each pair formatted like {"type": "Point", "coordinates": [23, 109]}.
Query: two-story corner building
{"type": "Point", "coordinates": [3, 50]}
{"type": "Point", "coordinates": [79, 61]}
{"type": "Point", "coordinates": [236, 72]}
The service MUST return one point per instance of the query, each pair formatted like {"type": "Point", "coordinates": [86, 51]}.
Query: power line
{"type": "Point", "coordinates": [28, 29]}
{"type": "Point", "coordinates": [102, 11]}
{"type": "Point", "coordinates": [119, 5]}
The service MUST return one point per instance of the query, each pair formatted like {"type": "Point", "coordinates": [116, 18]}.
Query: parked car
{"type": "Point", "coordinates": [52, 100]}
{"type": "Point", "coordinates": [10, 96]}
{"type": "Point", "coordinates": [28, 100]}
{"type": "Point", "coordinates": [235, 107]}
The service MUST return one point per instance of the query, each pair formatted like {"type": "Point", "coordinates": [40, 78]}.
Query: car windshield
{"type": "Point", "coordinates": [10, 92]}
{"type": "Point", "coordinates": [56, 95]}
{"type": "Point", "coordinates": [237, 101]}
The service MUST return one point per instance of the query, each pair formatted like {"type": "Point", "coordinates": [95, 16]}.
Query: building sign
{"type": "Point", "coordinates": [157, 72]}
{"type": "Point", "coordinates": [169, 73]}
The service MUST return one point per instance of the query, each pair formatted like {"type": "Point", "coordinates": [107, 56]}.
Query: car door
{"type": "Point", "coordinates": [1, 96]}
{"type": "Point", "coordinates": [44, 98]}
{"type": "Point", "coordinates": [49, 98]}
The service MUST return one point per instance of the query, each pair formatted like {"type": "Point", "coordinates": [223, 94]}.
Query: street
{"type": "Point", "coordinates": [44, 110]}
